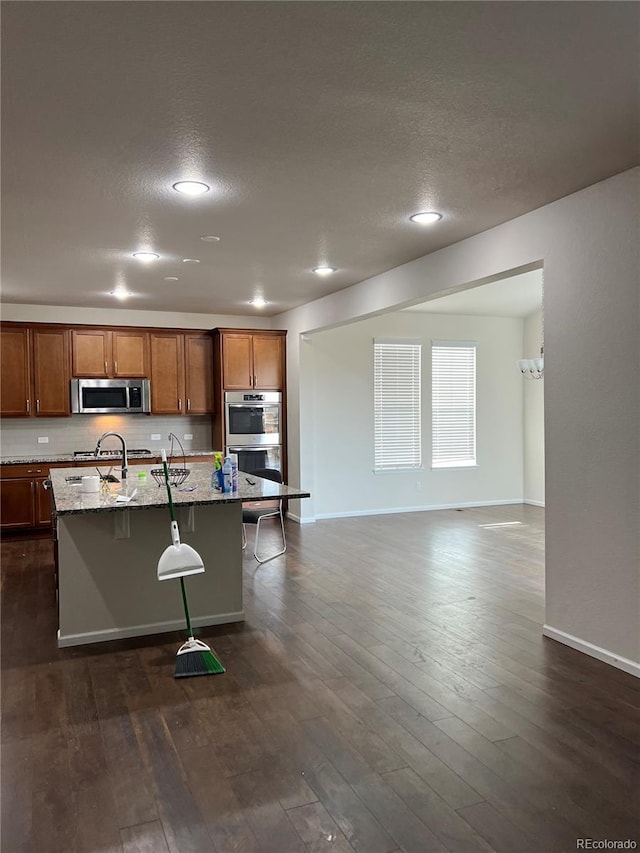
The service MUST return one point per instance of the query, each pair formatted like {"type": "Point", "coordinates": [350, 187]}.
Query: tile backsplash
{"type": "Point", "coordinates": [19, 436]}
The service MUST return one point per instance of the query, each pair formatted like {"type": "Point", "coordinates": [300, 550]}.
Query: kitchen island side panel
{"type": "Point", "coordinates": [108, 587]}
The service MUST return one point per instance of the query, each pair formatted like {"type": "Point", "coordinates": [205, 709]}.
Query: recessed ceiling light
{"type": "Point", "coordinates": [323, 270]}
{"type": "Point", "coordinates": [145, 256]}
{"type": "Point", "coordinates": [120, 293]}
{"type": "Point", "coordinates": [171, 278]}
{"type": "Point", "coordinates": [190, 261]}
{"type": "Point", "coordinates": [190, 187]}
{"type": "Point", "coordinates": [427, 218]}
{"type": "Point", "coordinates": [258, 302]}
{"type": "Point", "coordinates": [209, 238]}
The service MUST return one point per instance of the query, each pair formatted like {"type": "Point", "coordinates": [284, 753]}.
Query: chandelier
{"type": "Point", "coordinates": [533, 368]}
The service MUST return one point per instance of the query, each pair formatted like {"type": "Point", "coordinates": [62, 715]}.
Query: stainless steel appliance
{"type": "Point", "coordinates": [252, 459]}
{"type": "Point", "coordinates": [253, 418]}
{"type": "Point", "coordinates": [110, 396]}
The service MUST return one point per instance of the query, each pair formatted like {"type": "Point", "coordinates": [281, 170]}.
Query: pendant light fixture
{"type": "Point", "coordinates": [533, 368]}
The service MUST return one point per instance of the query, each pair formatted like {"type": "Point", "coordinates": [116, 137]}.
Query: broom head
{"type": "Point", "coordinates": [196, 658]}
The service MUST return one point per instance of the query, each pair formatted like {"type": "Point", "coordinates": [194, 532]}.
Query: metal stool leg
{"type": "Point", "coordinates": [284, 541]}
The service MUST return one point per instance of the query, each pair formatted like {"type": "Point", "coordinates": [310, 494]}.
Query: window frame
{"type": "Point", "coordinates": [380, 465]}
{"type": "Point", "coordinates": [472, 460]}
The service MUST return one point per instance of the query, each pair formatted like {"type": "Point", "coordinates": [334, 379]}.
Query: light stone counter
{"type": "Point", "coordinates": [108, 554]}
{"type": "Point", "coordinates": [195, 491]}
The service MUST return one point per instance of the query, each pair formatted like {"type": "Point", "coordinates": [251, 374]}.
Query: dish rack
{"type": "Point", "coordinates": [177, 476]}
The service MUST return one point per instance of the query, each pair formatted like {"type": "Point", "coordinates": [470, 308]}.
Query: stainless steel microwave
{"type": "Point", "coordinates": [110, 396]}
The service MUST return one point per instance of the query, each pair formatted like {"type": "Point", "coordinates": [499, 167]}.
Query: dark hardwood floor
{"type": "Point", "coordinates": [390, 690]}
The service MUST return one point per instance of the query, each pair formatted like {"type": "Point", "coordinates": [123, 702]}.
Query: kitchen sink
{"type": "Point", "coordinates": [78, 478]}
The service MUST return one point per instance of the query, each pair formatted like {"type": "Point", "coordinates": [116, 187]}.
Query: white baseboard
{"type": "Point", "coordinates": [299, 520]}
{"type": "Point", "coordinates": [426, 508]}
{"type": "Point", "coordinates": [630, 666]}
{"type": "Point", "coordinates": [533, 503]}
{"type": "Point", "coordinates": [145, 630]}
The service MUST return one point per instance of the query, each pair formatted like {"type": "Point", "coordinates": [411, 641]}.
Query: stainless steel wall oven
{"type": "Point", "coordinates": [253, 422]}
{"type": "Point", "coordinates": [253, 418]}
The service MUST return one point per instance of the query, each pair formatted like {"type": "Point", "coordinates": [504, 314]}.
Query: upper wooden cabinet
{"type": "Point", "coordinates": [198, 374]}
{"type": "Point", "coordinates": [252, 359]}
{"type": "Point", "coordinates": [35, 371]}
{"type": "Point", "coordinates": [181, 373]}
{"type": "Point", "coordinates": [110, 353]}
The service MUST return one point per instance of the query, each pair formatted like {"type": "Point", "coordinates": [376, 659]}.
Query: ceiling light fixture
{"type": "Point", "coordinates": [191, 188]}
{"type": "Point", "coordinates": [427, 218]}
{"type": "Point", "coordinates": [190, 261]}
{"type": "Point", "coordinates": [533, 368]}
{"type": "Point", "coordinates": [171, 278]}
{"type": "Point", "coordinates": [324, 270]}
{"type": "Point", "coordinates": [210, 238]}
{"type": "Point", "coordinates": [146, 256]}
{"type": "Point", "coordinates": [120, 293]}
{"type": "Point", "coordinates": [258, 302]}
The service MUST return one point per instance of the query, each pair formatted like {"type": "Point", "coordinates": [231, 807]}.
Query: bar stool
{"type": "Point", "coordinates": [255, 516]}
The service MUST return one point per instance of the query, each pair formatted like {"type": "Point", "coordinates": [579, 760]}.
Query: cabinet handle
{"type": "Point", "coordinates": [188, 403]}
{"type": "Point", "coordinates": [37, 405]}
{"type": "Point", "coordinates": [105, 367]}
{"type": "Point", "coordinates": [254, 380]}
{"type": "Point", "coordinates": [34, 471]}
{"type": "Point", "coordinates": [28, 406]}
{"type": "Point", "coordinates": [116, 366]}
{"type": "Point", "coordinates": [179, 404]}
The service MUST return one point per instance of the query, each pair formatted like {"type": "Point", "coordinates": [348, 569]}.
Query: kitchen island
{"type": "Point", "coordinates": [107, 553]}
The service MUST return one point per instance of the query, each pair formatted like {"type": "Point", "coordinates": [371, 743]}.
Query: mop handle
{"type": "Point", "coordinates": [166, 481]}
{"type": "Point", "coordinates": [186, 607]}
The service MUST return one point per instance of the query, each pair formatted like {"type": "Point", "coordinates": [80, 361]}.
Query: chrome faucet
{"type": "Point", "coordinates": [125, 463]}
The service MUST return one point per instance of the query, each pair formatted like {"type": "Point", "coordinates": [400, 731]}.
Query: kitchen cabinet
{"type": "Point", "coordinates": [181, 373]}
{"type": "Point", "coordinates": [35, 371]}
{"type": "Point", "coordinates": [110, 353]}
{"type": "Point", "coordinates": [252, 359]}
{"type": "Point", "coordinates": [24, 501]}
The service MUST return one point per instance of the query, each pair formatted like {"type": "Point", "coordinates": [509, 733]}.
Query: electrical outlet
{"type": "Point", "coordinates": [187, 436]}
{"type": "Point", "coordinates": [155, 436]}
{"type": "Point", "coordinates": [43, 439]}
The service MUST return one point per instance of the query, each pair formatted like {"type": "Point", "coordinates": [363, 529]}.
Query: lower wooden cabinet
{"type": "Point", "coordinates": [17, 504]}
{"type": "Point", "coordinates": [25, 502]}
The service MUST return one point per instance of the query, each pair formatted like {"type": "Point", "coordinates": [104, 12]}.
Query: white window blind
{"type": "Point", "coordinates": [396, 383]}
{"type": "Point", "coordinates": [453, 401]}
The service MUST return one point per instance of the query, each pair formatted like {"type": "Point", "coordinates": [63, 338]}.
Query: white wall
{"type": "Point", "coordinates": [589, 245]}
{"type": "Point", "coordinates": [127, 317]}
{"type": "Point", "coordinates": [341, 374]}
{"type": "Point", "coordinates": [533, 416]}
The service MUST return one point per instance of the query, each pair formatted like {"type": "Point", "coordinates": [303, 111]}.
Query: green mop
{"type": "Point", "coordinates": [179, 559]}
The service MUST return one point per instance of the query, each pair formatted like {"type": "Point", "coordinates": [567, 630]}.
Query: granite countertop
{"type": "Point", "coordinates": [35, 459]}
{"type": "Point", "coordinates": [68, 499]}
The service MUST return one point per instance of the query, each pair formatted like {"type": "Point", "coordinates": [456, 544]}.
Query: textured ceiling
{"type": "Point", "coordinates": [320, 127]}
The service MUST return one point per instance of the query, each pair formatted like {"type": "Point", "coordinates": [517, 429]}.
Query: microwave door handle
{"type": "Point", "coordinates": [128, 401]}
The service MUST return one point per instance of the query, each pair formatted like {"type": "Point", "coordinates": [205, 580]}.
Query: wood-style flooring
{"type": "Point", "coordinates": [390, 690]}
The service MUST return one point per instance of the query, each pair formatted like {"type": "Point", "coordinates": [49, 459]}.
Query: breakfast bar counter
{"type": "Point", "coordinates": [108, 550]}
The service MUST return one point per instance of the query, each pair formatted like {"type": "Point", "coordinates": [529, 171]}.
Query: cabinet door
{"type": "Point", "coordinates": [198, 366]}
{"type": "Point", "coordinates": [43, 503]}
{"type": "Point", "coordinates": [91, 353]}
{"type": "Point", "coordinates": [16, 503]}
{"type": "Point", "coordinates": [51, 372]}
{"type": "Point", "coordinates": [130, 354]}
{"type": "Point", "coordinates": [167, 374]}
{"type": "Point", "coordinates": [268, 351]}
{"type": "Point", "coordinates": [15, 380]}
{"type": "Point", "coordinates": [237, 362]}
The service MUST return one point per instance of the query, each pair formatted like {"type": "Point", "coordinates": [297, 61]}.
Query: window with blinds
{"type": "Point", "coordinates": [453, 402]}
{"type": "Point", "coordinates": [398, 430]}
